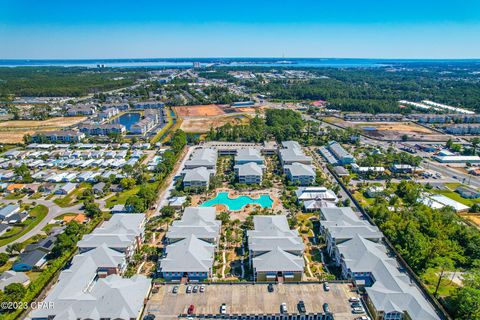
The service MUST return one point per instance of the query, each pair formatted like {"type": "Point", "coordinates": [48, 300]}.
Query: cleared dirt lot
{"type": "Point", "coordinates": [199, 110]}
{"type": "Point", "coordinates": [13, 131]}
{"type": "Point", "coordinates": [203, 124]}
{"type": "Point", "coordinates": [251, 299]}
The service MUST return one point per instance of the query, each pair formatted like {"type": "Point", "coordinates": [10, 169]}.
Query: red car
{"type": "Point", "coordinates": [191, 309]}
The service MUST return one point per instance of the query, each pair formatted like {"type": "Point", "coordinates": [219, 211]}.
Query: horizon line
{"type": "Point", "coordinates": [232, 57]}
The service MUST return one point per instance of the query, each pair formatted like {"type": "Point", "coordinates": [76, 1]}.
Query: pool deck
{"type": "Point", "coordinates": [243, 212]}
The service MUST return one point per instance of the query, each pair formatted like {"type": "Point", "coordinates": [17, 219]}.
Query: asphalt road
{"type": "Point", "coordinates": [53, 212]}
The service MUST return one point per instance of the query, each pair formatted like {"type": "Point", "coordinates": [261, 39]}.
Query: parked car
{"type": "Point", "coordinates": [270, 287]}
{"type": "Point", "coordinates": [175, 289]}
{"type": "Point", "coordinates": [191, 309]}
{"type": "Point", "coordinates": [353, 299]}
{"type": "Point", "coordinates": [283, 308]}
{"type": "Point", "coordinates": [326, 287]}
{"type": "Point", "coordinates": [363, 318]}
{"type": "Point", "coordinates": [358, 310]}
{"type": "Point", "coordinates": [149, 317]}
{"type": "Point", "coordinates": [195, 289]}
{"type": "Point", "coordinates": [326, 307]}
{"type": "Point", "coordinates": [189, 289]}
{"type": "Point", "coordinates": [356, 304]}
{"type": "Point", "coordinates": [202, 288]}
{"type": "Point", "coordinates": [301, 307]}
{"type": "Point", "coordinates": [223, 308]}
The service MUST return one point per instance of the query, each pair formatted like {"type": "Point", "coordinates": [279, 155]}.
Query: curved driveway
{"type": "Point", "coordinates": [53, 212]}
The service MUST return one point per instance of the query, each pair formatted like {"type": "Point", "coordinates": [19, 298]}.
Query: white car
{"type": "Point", "coordinates": [223, 308]}
{"type": "Point", "coordinates": [353, 299]}
{"type": "Point", "coordinates": [358, 310]}
{"type": "Point", "coordinates": [283, 307]}
{"type": "Point", "coordinates": [363, 318]}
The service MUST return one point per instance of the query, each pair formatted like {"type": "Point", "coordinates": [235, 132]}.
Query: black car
{"type": "Point", "coordinates": [270, 287]}
{"type": "Point", "coordinates": [326, 308]}
{"type": "Point", "coordinates": [301, 307]}
{"type": "Point", "coordinates": [149, 317]}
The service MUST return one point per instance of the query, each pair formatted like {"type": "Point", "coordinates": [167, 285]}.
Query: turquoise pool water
{"type": "Point", "coordinates": [239, 202]}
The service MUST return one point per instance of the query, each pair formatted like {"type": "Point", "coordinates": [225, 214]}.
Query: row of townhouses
{"type": "Point", "coordinates": [357, 248]}
{"type": "Point", "coordinates": [95, 276]}
{"type": "Point", "coordinates": [296, 165]}
{"type": "Point", "coordinates": [201, 166]}
{"type": "Point", "coordinates": [190, 246]}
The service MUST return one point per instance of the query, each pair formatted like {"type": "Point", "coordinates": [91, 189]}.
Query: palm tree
{"type": "Point", "coordinates": [475, 142]}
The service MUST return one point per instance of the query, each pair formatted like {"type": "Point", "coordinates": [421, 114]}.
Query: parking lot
{"type": "Point", "coordinates": [251, 299]}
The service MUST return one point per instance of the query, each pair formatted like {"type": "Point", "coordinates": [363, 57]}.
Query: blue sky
{"type": "Point", "coordinates": [50, 29]}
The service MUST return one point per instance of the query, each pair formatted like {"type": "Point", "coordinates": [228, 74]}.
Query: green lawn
{"type": "Point", "coordinates": [13, 196]}
{"type": "Point", "coordinates": [71, 198]}
{"type": "Point", "coordinates": [122, 197]}
{"type": "Point", "coordinates": [430, 279]}
{"type": "Point", "coordinates": [455, 196]}
{"type": "Point", "coordinates": [38, 213]}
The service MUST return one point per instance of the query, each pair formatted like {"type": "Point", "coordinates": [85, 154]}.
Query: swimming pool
{"type": "Point", "coordinates": [238, 203]}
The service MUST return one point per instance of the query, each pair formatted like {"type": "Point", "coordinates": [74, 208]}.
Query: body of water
{"type": "Point", "coordinates": [233, 62]}
{"type": "Point", "coordinates": [235, 204]}
{"type": "Point", "coordinates": [127, 119]}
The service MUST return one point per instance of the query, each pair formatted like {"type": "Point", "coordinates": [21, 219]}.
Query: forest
{"type": "Point", "coordinates": [62, 82]}
{"type": "Point", "coordinates": [279, 124]}
{"type": "Point", "coordinates": [433, 242]}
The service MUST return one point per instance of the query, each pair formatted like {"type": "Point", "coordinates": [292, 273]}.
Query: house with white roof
{"type": "Point", "coordinates": [314, 198]}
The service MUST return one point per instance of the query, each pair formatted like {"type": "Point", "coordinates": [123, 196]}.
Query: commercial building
{"type": "Point", "coordinates": [457, 159]}
{"type": "Point", "coordinates": [275, 251]}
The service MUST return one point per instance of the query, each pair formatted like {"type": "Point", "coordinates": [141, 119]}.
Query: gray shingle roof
{"type": "Point", "coordinates": [206, 157]}
{"type": "Point", "coordinates": [271, 232]}
{"type": "Point", "coordinates": [278, 260]}
{"type": "Point", "coordinates": [79, 294]}
{"type": "Point", "coordinates": [299, 169]}
{"type": "Point", "coordinates": [188, 255]}
{"type": "Point", "coordinates": [118, 232]}
{"type": "Point", "coordinates": [197, 174]}
{"type": "Point", "coordinates": [199, 221]}
{"type": "Point", "coordinates": [249, 169]}
{"type": "Point", "coordinates": [248, 154]}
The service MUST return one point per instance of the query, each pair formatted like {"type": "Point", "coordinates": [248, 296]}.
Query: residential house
{"type": "Point", "coordinates": [34, 255]}
{"type": "Point", "coordinates": [10, 276]}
